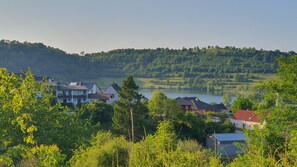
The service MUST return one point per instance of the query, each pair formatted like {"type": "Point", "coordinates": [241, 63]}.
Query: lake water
{"type": "Point", "coordinates": [172, 93]}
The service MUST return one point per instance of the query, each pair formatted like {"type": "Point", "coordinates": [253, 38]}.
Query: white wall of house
{"type": "Point", "coordinates": [95, 90]}
{"type": "Point", "coordinates": [114, 95]}
{"type": "Point", "coordinates": [244, 124]}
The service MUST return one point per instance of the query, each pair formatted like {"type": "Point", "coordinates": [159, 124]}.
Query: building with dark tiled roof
{"type": "Point", "coordinates": [193, 104]}
{"type": "Point", "coordinates": [200, 105]}
{"type": "Point", "coordinates": [185, 104]}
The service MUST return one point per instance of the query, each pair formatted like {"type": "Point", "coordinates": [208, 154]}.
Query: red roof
{"type": "Point", "coordinates": [246, 115]}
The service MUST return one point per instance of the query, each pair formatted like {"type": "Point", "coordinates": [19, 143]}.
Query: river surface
{"type": "Point", "coordinates": [172, 93]}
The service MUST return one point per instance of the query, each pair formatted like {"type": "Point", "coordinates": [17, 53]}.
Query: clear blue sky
{"type": "Point", "coordinates": [102, 25]}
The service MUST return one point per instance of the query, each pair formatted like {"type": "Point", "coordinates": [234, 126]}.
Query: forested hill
{"type": "Point", "coordinates": [48, 61]}
{"type": "Point", "coordinates": [193, 62]}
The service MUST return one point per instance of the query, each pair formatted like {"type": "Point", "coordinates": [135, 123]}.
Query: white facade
{"type": "Point", "coordinates": [244, 124]}
{"type": "Point", "coordinates": [66, 95]}
{"type": "Point", "coordinates": [94, 90]}
{"type": "Point", "coordinates": [113, 94]}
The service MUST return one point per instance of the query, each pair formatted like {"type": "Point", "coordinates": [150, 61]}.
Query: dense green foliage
{"type": "Point", "coordinates": [31, 126]}
{"type": "Point", "coordinates": [275, 143]}
{"type": "Point", "coordinates": [170, 62]}
{"type": "Point", "coordinates": [163, 108]}
{"type": "Point", "coordinates": [105, 150]}
{"type": "Point", "coordinates": [242, 103]}
{"type": "Point", "coordinates": [160, 149]}
{"type": "Point", "coordinates": [97, 112]}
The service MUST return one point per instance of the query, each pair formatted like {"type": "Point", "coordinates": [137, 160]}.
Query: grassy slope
{"type": "Point", "coordinates": [174, 82]}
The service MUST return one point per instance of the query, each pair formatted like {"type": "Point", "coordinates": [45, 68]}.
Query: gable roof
{"type": "Point", "coordinates": [71, 87]}
{"type": "Point", "coordinates": [183, 102]}
{"type": "Point", "coordinates": [220, 106]}
{"type": "Point", "coordinates": [63, 87]}
{"type": "Point", "coordinates": [88, 85]}
{"type": "Point", "coordinates": [246, 115]}
{"type": "Point", "coordinates": [190, 98]}
{"type": "Point", "coordinates": [78, 87]}
{"type": "Point", "coordinates": [116, 87]}
{"type": "Point", "coordinates": [200, 105]}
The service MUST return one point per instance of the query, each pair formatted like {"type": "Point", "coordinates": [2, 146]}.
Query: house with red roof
{"type": "Point", "coordinates": [245, 119]}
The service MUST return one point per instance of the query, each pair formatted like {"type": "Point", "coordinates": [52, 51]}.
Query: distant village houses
{"type": "Point", "coordinates": [193, 104]}
{"type": "Point", "coordinates": [77, 93]}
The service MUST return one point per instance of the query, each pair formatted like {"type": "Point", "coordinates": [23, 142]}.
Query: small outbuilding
{"type": "Point", "coordinates": [226, 144]}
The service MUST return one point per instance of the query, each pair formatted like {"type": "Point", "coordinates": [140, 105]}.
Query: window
{"type": "Point", "coordinates": [243, 125]}
{"type": "Point", "coordinates": [60, 92]}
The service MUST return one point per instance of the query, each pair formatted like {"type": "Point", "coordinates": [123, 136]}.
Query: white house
{"type": "Point", "coordinates": [93, 88]}
{"type": "Point", "coordinates": [113, 90]}
{"type": "Point", "coordinates": [245, 119]}
{"type": "Point", "coordinates": [72, 94]}
{"type": "Point", "coordinates": [94, 93]}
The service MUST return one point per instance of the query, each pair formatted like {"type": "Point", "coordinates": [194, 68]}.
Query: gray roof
{"type": "Point", "coordinates": [72, 87]}
{"type": "Point", "coordinates": [88, 85]}
{"type": "Point", "coordinates": [200, 105]}
{"type": "Point", "coordinates": [230, 136]}
{"type": "Point", "coordinates": [220, 106]}
{"type": "Point", "coordinates": [183, 102]}
{"type": "Point", "coordinates": [116, 87]}
{"type": "Point", "coordinates": [78, 87]}
{"type": "Point", "coordinates": [190, 98]}
{"type": "Point", "coordinates": [63, 87]}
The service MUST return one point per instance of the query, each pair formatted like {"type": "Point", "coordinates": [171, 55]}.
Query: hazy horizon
{"type": "Point", "coordinates": [95, 26]}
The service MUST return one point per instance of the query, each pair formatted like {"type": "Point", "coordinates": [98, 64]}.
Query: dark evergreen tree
{"type": "Point", "coordinates": [129, 112]}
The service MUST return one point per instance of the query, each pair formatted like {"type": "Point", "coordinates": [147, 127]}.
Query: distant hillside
{"type": "Point", "coordinates": [48, 61]}
{"type": "Point", "coordinates": [190, 64]}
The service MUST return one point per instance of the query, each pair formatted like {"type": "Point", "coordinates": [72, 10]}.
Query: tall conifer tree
{"type": "Point", "coordinates": [129, 106]}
